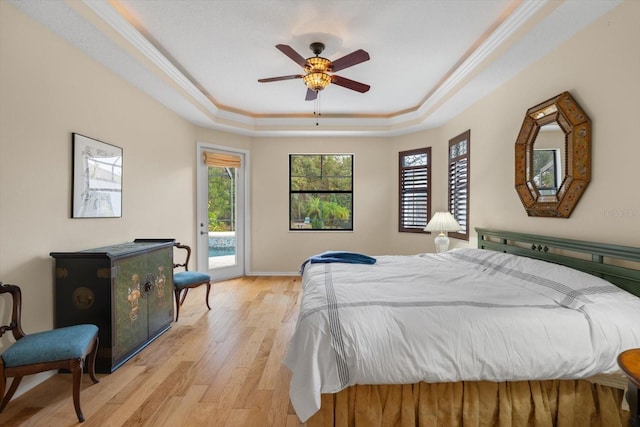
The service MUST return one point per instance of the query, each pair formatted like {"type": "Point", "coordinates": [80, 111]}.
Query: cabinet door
{"type": "Point", "coordinates": [83, 295]}
{"type": "Point", "coordinates": [130, 328]}
{"type": "Point", "coordinates": [160, 296]}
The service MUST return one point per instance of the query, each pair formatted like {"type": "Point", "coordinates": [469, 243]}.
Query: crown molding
{"type": "Point", "coordinates": [303, 125]}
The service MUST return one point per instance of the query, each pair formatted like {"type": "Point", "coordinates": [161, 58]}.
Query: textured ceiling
{"type": "Point", "coordinates": [430, 59]}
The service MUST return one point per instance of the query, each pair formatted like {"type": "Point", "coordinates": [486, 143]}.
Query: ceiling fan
{"type": "Point", "coordinates": [317, 70]}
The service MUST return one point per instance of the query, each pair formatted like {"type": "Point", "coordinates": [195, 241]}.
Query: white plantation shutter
{"type": "Point", "coordinates": [459, 182]}
{"type": "Point", "coordinates": [415, 177]}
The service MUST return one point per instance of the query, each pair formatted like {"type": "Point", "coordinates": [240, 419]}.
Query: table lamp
{"type": "Point", "coordinates": [442, 221]}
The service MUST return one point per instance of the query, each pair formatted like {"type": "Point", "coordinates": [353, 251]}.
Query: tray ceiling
{"type": "Point", "coordinates": [429, 59]}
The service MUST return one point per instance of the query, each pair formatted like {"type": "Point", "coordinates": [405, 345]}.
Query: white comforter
{"type": "Point", "coordinates": [464, 315]}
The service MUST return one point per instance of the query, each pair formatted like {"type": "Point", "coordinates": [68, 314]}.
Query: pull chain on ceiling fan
{"type": "Point", "coordinates": [317, 70]}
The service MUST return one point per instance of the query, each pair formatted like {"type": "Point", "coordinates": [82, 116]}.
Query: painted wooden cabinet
{"type": "Point", "coordinates": [125, 289]}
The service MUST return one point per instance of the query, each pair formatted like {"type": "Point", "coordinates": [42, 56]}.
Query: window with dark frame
{"type": "Point", "coordinates": [459, 148]}
{"type": "Point", "coordinates": [321, 192]}
{"type": "Point", "coordinates": [415, 190]}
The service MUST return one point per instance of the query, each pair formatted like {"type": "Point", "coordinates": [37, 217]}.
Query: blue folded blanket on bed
{"type": "Point", "coordinates": [338, 256]}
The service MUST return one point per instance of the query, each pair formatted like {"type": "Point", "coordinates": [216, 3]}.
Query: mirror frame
{"type": "Point", "coordinates": [576, 125]}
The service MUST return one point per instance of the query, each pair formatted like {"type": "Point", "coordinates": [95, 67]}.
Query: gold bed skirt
{"type": "Point", "coordinates": [559, 403]}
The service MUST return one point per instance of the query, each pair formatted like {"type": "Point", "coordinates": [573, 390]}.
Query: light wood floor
{"type": "Point", "coordinates": [212, 368]}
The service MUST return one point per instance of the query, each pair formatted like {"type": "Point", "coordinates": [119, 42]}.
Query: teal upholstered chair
{"type": "Point", "coordinates": [62, 348]}
{"type": "Point", "coordinates": [185, 280]}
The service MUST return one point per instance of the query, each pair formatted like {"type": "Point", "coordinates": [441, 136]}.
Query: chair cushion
{"type": "Point", "coordinates": [184, 279]}
{"type": "Point", "coordinates": [50, 346]}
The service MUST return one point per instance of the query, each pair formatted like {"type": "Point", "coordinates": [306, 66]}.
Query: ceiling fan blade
{"type": "Point", "coordinates": [311, 95]}
{"type": "Point", "coordinates": [349, 60]}
{"type": "Point", "coordinates": [350, 84]}
{"type": "Point", "coordinates": [276, 79]}
{"type": "Point", "coordinates": [295, 56]}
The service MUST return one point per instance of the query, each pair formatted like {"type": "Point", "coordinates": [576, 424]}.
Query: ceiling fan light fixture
{"type": "Point", "coordinates": [317, 70]}
{"type": "Point", "coordinates": [317, 81]}
{"type": "Point", "coordinates": [317, 64]}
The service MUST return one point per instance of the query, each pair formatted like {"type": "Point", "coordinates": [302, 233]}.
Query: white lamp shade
{"type": "Point", "coordinates": [443, 221]}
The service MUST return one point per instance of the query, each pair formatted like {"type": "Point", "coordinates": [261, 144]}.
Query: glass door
{"type": "Point", "coordinates": [221, 192]}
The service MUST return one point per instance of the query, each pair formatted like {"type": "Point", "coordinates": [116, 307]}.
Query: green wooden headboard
{"type": "Point", "coordinates": [601, 259]}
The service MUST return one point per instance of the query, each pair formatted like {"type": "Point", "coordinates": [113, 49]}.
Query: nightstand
{"type": "Point", "coordinates": [629, 361]}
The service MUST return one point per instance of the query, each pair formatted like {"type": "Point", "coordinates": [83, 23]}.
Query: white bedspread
{"type": "Point", "coordinates": [464, 315]}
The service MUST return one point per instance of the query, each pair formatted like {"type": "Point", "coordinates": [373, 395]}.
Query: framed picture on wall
{"type": "Point", "coordinates": [97, 179]}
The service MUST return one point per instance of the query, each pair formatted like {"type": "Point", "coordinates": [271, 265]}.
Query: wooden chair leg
{"type": "Point", "coordinates": [185, 291]}
{"type": "Point", "coordinates": [76, 368]}
{"type": "Point", "coordinates": [207, 297]}
{"type": "Point", "coordinates": [181, 295]}
{"type": "Point", "coordinates": [12, 389]}
{"type": "Point", "coordinates": [176, 292]}
{"type": "Point", "coordinates": [3, 384]}
{"type": "Point", "coordinates": [91, 363]}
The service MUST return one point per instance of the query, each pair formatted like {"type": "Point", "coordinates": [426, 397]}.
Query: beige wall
{"type": "Point", "coordinates": [600, 67]}
{"type": "Point", "coordinates": [49, 90]}
{"type": "Point", "coordinates": [214, 137]}
{"type": "Point", "coordinates": [277, 250]}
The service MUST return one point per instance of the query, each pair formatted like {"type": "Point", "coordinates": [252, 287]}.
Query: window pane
{"type": "Point", "coordinates": [321, 211]}
{"type": "Point", "coordinates": [306, 184]}
{"type": "Point", "coordinates": [336, 165]}
{"type": "Point", "coordinates": [305, 166]}
{"type": "Point", "coordinates": [321, 191]}
{"type": "Point", "coordinates": [458, 149]}
{"type": "Point", "coordinates": [415, 160]}
{"type": "Point", "coordinates": [336, 184]}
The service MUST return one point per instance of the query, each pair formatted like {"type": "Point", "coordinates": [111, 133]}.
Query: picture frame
{"type": "Point", "coordinates": [97, 178]}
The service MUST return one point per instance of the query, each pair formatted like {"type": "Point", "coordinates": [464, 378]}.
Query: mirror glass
{"type": "Point", "coordinates": [548, 159]}
{"type": "Point", "coordinates": [553, 157]}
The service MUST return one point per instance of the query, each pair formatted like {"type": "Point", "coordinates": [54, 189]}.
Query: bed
{"type": "Point", "coordinates": [522, 331]}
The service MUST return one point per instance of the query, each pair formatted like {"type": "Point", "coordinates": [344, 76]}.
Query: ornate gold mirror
{"type": "Point", "coordinates": [553, 157]}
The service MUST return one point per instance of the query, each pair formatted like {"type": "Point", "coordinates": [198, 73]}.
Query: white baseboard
{"type": "Point", "coordinates": [273, 273]}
